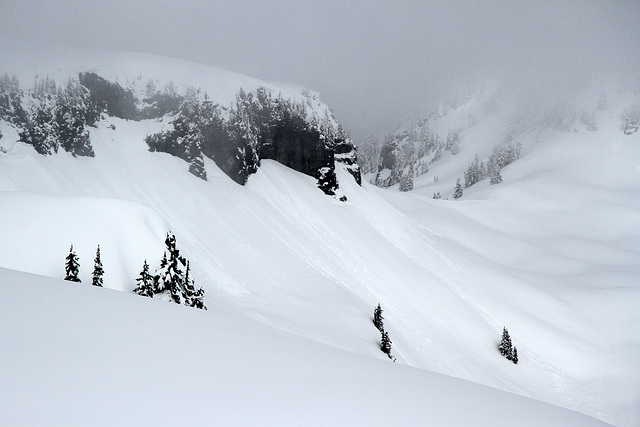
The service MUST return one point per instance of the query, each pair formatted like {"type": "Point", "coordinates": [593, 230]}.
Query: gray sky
{"type": "Point", "coordinates": [372, 61]}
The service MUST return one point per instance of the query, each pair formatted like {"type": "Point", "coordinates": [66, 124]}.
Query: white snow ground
{"type": "Point", "coordinates": [292, 277]}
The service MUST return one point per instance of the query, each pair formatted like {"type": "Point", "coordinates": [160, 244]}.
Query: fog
{"type": "Point", "coordinates": [372, 61]}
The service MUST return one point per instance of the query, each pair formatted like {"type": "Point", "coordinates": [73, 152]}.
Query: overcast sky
{"type": "Point", "coordinates": [372, 61]}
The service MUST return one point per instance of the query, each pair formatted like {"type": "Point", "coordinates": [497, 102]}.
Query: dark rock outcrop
{"type": "Point", "coordinates": [110, 98]}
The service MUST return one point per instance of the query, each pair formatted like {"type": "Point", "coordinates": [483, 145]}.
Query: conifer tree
{"type": "Point", "coordinates": [378, 319]}
{"type": "Point", "coordinates": [72, 266]}
{"type": "Point", "coordinates": [385, 344]}
{"type": "Point", "coordinates": [514, 358]}
{"type": "Point", "coordinates": [457, 193]}
{"type": "Point", "coordinates": [98, 271]}
{"type": "Point", "coordinates": [505, 346]}
{"type": "Point", "coordinates": [495, 178]}
{"type": "Point", "coordinates": [145, 282]}
{"type": "Point", "coordinates": [193, 297]}
{"type": "Point", "coordinates": [170, 278]}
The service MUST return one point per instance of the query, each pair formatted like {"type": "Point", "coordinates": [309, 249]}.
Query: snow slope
{"type": "Point", "coordinates": [552, 253]}
{"type": "Point", "coordinates": [79, 355]}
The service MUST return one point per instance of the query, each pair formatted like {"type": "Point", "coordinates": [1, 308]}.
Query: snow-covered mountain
{"type": "Point", "coordinates": [291, 276]}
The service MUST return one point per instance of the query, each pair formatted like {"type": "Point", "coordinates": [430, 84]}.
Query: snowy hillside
{"type": "Point", "coordinates": [83, 355]}
{"type": "Point", "coordinates": [551, 253]}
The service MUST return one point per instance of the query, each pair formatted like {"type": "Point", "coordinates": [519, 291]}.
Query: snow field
{"type": "Point", "coordinates": [551, 253]}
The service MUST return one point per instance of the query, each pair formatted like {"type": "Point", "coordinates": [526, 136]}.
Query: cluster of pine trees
{"type": "Point", "coordinates": [385, 341]}
{"type": "Point", "coordinates": [171, 280]}
{"type": "Point", "coordinates": [54, 118]}
{"type": "Point", "coordinates": [501, 156]}
{"type": "Point", "coordinates": [405, 155]}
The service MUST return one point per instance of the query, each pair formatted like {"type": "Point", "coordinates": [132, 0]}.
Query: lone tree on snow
{"type": "Point", "coordinates": [378, 319]}
{"type": "Point", "coordinates": [506, 347]}
{"type": "Point", "coordinates": [72, 266]}
{"type": "Point", "coordinates": [98, 271]}
{"type": "Point", "coordinates": [457, 193]}
{"type": "Point", "coordinates": [145, 282]}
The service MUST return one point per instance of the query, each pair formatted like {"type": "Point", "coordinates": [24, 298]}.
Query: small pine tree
{"type": "Point", "coordinates": [72, 266]}
{"type": "Point", "coordinates": [385, 344]}
{"type": "Point", "coordinates": [192, 297]}
{"type": "Point", "coordinates": [98, 271]}
{"type": "Point", "coordinates": [514, 357]}
{"type": "Point", "coordinates": [378, 319]}
{"type": "Point", "coordinates": [505, 346]}
{"type": "Point", "coordinates": [145, 282]}
{"type": "Point", "coordinates": [457, 193]}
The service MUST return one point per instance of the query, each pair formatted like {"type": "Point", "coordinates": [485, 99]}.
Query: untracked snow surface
{"type": "Point", "coordinates": [79, 355]}
{"type": "Point", "coordinates": [292, 277]}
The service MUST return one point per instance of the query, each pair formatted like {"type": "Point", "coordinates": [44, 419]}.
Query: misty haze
{"type": "Point", "coordinates": [320, 213]}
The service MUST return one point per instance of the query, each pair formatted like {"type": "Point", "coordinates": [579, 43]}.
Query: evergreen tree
{"type": "Point", "coordinates": [145, 282]}
{"type": "Point", "coordinates": [385, 344]}
{"type": "Point", "coordinates": [98, 271]}
{"type": "Point", "coordinates": [170, 278]}
{"type": "Point", "coordinates": [495, 178]}
{"type": "Point", "coordinates": [505, 346]}
{"type": "Point", "coordinates": [457, 193]}
{"type": "Point", "coordinates": [514, 358]}
{"type": "Point", "coordinates": [378, 319]}
{"type": "Point", "coordinates": [193, 298]}
{"type": "Point", "coordinates": [406, 181]}
{"type": "Point", "coordinates": [72, 266]}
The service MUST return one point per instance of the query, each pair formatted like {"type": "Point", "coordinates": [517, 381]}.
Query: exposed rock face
{"type": "Point", "coordinates": [258, 127]}
{"type": "Point", "coordinates": [109, 97]}
{"type": "Point", "coordinates": [297, 147]}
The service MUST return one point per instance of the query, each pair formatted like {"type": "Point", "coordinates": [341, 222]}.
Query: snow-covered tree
{"type": "Point", "coordinates": [457, 192]}
{"type": "Point", "coordinates": [602, 102]}
{"type": "Point", "coordinates": [170, 278]}
{"type": "Point", "coordinates": [145, 282]}
{"type": "Point", "coordinates": [495, 177]}
{"type": "Point", "coordinates": [72, 266]}
{"type": "Point", "coordinates": [193, 297]}
{"type": "Point", "coordinates": [406, 181]}
{"type": "Point", "coordinates": [475, 172]}
{"type": "Point", "coordinates": [453, 142]}
{"type": "Point", "coordinates": [98, 271]}
{"type": "Point", "coordinates": [378, 320]}
{"type": "Point", "coordinates": [631, 119]}
{"type": "Point", "coordinates": [514, 358]}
